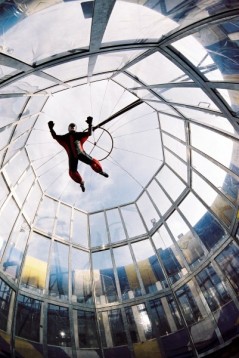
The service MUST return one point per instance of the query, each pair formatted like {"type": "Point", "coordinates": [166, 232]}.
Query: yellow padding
{"type": "Point", "coordinates": [34, 272]}
{"type": "Point", "coordinates": [26, 349]}
{"type": "Point", "coordinates": [147, 349]}
{"type": "Point", "coordinates": [146, 272]}
{"type": "Point", "coordinates": [132, 277]}
{"type": "Point", "coordinates": [6, 337]}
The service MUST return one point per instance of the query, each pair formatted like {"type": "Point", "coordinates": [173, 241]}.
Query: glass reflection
{"type": "Point", "coordinates": [116, 228]}
{"type": "Point", "coordinates": [7, 220]}
{"type": "Point", "coordinates": [169, 254]}
{"type": "Point", "coordinates": [35, 264]}
{"type": "Point", "coordinates": [213, 288]}
{"type": "Point", "coordinates": [104, 279]}
{"type": "Point", "coordinates": [127, 275]}
{"type": "Point", "coordinates": [63, 222]}
{"type": "Point", "coordinates": [80, 228]}
{"type": "Point", "coordinates": [81, 277]}
{"type": "Point", "coordinates": [59, 271]}
{"type": "Point", "coordinates": [87, 329]}
{"type": "Point", "coordinates": [228, 260]}
{"type": "Point", "coordinates": [5, 299]}
{"type": "Point", "coordinates": [149, 267]}
{"type": "Point", "coordinates": [133, 222]}
{"type": "Point", "coordinates": [98, 231]}
{"type": "Point", "coordinates": [28, 318]}
{"type": "Point", "coordinates": [13, 254]}
{"type": "Point", "coordinates": [58, 326]}
{"type": "Point", "coordinates": [187, 240]}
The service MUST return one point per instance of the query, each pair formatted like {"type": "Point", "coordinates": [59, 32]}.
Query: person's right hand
{"type": "Point", "coordinates": [51, 124]}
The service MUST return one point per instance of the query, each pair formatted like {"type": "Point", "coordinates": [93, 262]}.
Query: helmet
{"type": "Point", "coordinates": [72, 127]}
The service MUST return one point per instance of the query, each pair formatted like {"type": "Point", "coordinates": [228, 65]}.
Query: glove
{"type": "Point", "coordinates": [51, 124]}
{"type": "Point", "coordinates": [89, 120]}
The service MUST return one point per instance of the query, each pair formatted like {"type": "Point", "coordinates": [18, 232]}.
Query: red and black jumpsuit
{"type": "Point", "coordinates": [73, 144]}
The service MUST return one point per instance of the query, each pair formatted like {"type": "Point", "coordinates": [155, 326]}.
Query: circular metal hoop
{"type": "Point", "coordinates": [108, 151]}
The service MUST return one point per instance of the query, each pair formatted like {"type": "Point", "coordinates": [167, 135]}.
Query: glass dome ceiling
{"type": "Point", "coordinates": [160, 79]}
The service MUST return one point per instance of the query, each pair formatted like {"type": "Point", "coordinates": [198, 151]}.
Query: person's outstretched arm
{"type": "Point", "coordinates": [51, 125]}
{"type": "Point", "coordinates": [89, 121]}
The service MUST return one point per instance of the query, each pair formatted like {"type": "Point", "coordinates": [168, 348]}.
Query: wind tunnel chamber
{"type": "Point", "coordinates": [145, 263]}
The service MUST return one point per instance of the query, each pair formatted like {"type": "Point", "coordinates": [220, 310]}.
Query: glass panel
{"type": "Point", "coordinates": [4, 190]}
{"type": "Point", "coordinates": [143, 70]}
{"type": "Point", "coordinates": [30, 84]}
{"type": "Point", "coordinates": [131, 317]}
{"type": "Point", "coordinates": [87, 329]}
{"type": "Point", "coordinates": [59, 271]}
{"type": "Point", "coordinates": [98, 230]}
{"type": "Point", "coordinates": [191, 304]}
{"type": "Point", "coordinates": [228, 260]}
{"type": "Point", "coordinates": [147, 210]}
{"type": "Point", "coordinates": [58, 326]}
{"type": "Point", "coordinates": [197, 97]}
{"type": "Point", "coordinates": [81, 277]}
{"type": "Point", "coordinates": [173, 126]}
{"type": "Point", "coordinates": [5, 299]}
{"type": "Point", "coordinates": [35, 265]}
{"type": "Point", "coordinates": [204, 224]}
{"type": "Point", "coordinates": [13, 254]}
{"type": "Point", "coordinates": [117, 329]}
{"type": "Point", "coordinates": [63, 222]}
{"type": "Point", "coordinates": [216, 59]}
{"type": "Point", "coordinates": [7, 220]}
{"type": "Point", "coordinates": [220, 206]}
{"type": "Point", "coordinates": [129, 21]}
{"type": "Point", "coordinates": [116, 228]}
{"type": "Point", "coordinates": [103, 274]}
{"type": "Point", "coordinates": [10, 109]}
{"type": "Point", "coordinates": [162, 316]}
{"type": "Point", "coordinates": [24, 185]}
{"type": "Point", "coordinates": [177, 165]}
{"type": "Point", "coordinates": [128, 279]}
{"type": "Point", "coordinates": [69, 70]}
{"type": "Point", "coordinates": [215, 145]}
{"type": "Point", "coordinates": [187, 241]}
{"type": "Point", "coordinates": [80, 228]}
{"type": "Point", "coordinates": [15, 147]}
{"type": "Point", "coordinates": [169, 255]}
{"type": "Point", "coordinates": [175, 146]}
{"type": "Point", "coordinates": [159, 198]}
{"type": "Point", "coordinates": [74, 34]}
{"type": "Point", "coordinates": [171, 183]}
{"type": "Point", "coordinates": [149, 267]}
{"type": "Point", "coordinates": [210, 119]}
{"type": "Point", "coordinates": [231, 98]}
{"type": "Point", "coordinates": [16, 167]}
{"type": "Point", "coordinates": [46, 215]}
{"type": "Point", "coordinates": [31, 204]}
{"type": "Point", "coordinates": [28, 318]}
{"type": "Point", "coordinates": [225, 182]}
{"type": "Point", "coordinates": [133, 222]}
{"type": "Point", "coordinates": [213, 288]}
{"type": "Point", "coordinates": [115, 60]}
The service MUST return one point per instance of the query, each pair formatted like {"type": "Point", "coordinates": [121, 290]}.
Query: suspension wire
{"type": "Point", "coordinates": [48, 170]}
{"type": "Point", "coordinates": [49, 159]}
{"type": "Point", "coordinates": [50, 184]}
{"type": "Point", "coordinates": [118, 100]}
{"type": "Point", "coordinates": [132, 120]}
{"type": "Point", "coordinates": [126, 171]}
{"type": "Point", "coordinates": [106, 88]}
{"type": "Point", "coordinates": [141, 154]}
{"type": "Point", "coordinates": [68, 181]}
{"type": "Point", "coordinates": [132, 133]}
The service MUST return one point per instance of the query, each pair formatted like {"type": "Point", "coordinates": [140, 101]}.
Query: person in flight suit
{"type": "Point", "coordinates": [73, 142]}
